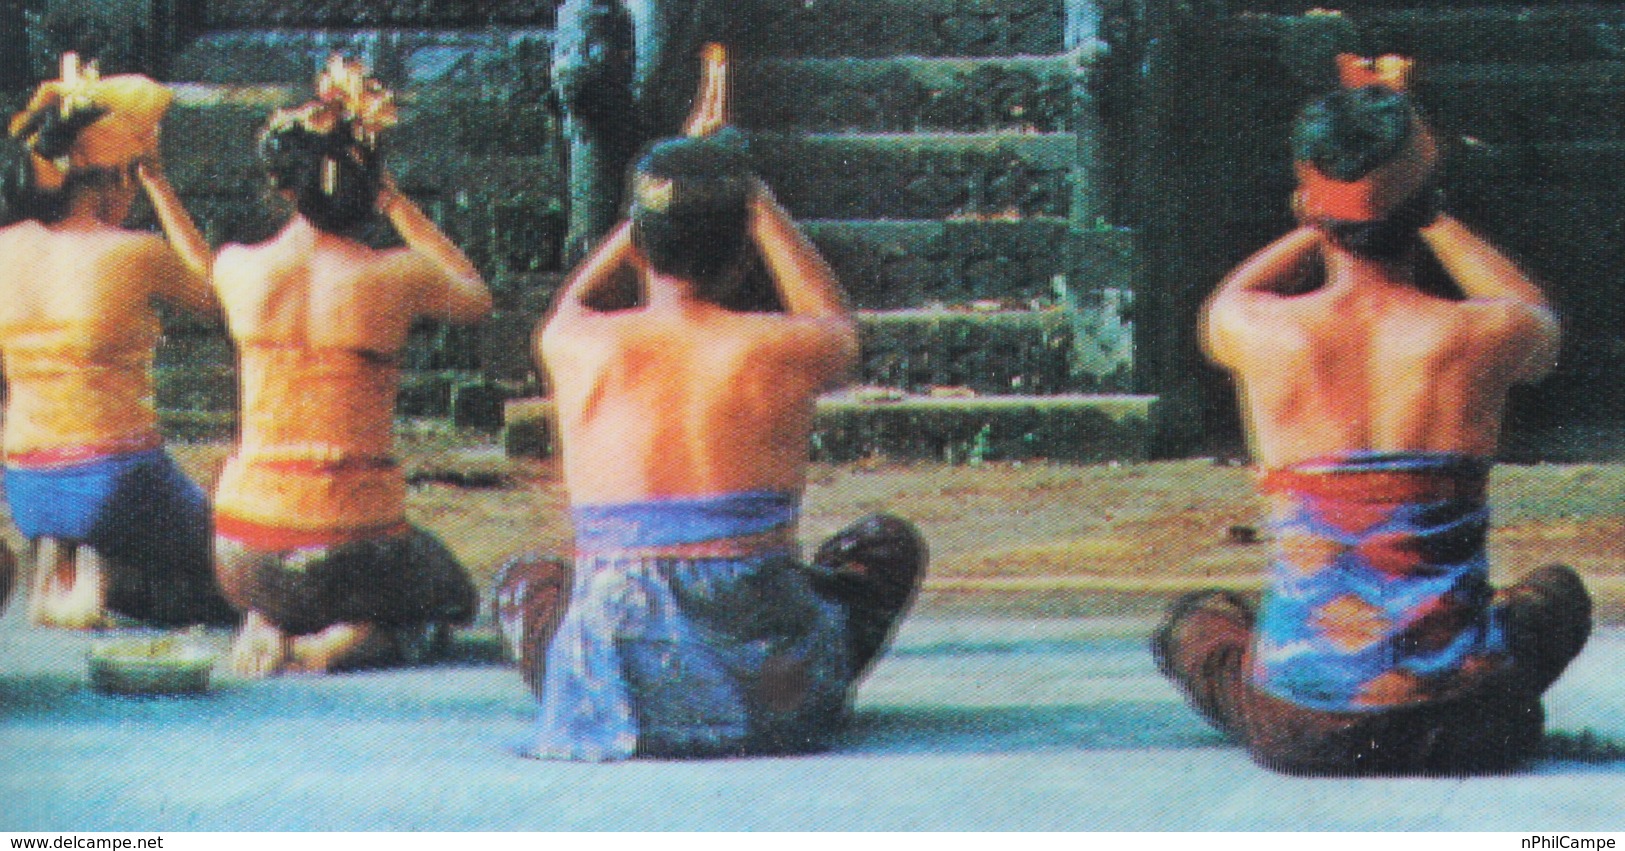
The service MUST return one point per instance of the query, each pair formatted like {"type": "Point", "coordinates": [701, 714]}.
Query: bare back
{"type": "Point", "coordinates": [704, 401]}
{"type": "Point", "coordinates": [1369, 362]}
{"type": "Point", "coordinates": [319, 323]}
{"type": "Point", "coordinates": [78, 332]}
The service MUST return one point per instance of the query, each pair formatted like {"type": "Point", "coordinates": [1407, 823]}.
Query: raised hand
{"type": "Point", "coordinates": [711, 101]}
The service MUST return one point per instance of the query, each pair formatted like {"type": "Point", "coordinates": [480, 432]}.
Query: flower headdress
{"type": "Point", "coordinates": [1373, 196]}
{"type": "Point", "coordinates": [347, 102]}
{"type": "Point", "coordinates": [109, 121]}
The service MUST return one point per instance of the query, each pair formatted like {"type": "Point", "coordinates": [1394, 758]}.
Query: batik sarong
{"type": "Point", "coordinates": [1379, 590]}
{"type": "Point", "coordinates": [692, 630]}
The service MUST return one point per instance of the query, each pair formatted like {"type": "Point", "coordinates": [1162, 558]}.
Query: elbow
{"type": "Point", "coordinates": [476, 303]}
{"type": "Point", "coordinates": [847, 352]}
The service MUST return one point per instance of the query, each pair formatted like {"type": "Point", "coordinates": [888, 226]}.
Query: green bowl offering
{"type": "Point", "coordinates": [150, 666]}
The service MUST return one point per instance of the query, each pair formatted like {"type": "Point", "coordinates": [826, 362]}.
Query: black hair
{"type": "Point", "coordinates": [690, 208]}
{"type": "Point", "coordinates": [1347, 135]}
{"type": "Point", "coordinates": [49, 135]}
{"type": "Point", "coordinates": [296, 159]}
{"type": "Point", "coordinates": [1352, 132]}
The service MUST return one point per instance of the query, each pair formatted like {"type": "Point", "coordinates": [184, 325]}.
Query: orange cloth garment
{"type": "Point", "coordinates": [315, 461]}
{"type": "Point", "coordinates": [69, 394]}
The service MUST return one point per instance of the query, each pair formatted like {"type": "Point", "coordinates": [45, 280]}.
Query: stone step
{"type": "Point", "coordinates": [1297, 7]}
{"type": "Point", "coordinates": [1078, 344]}
{"type": "Point", "coordinates": [1077, 428]}
{"type": "Point", "coordinates": [878, 28]}
{"type": "Point", "coordinates": [351, 14]}
{"type": "Point", "coordinates": [908, 94]}
{"type": "Point", "coordinates": [920, 175]}
{"type": "Point", "coordinates": [1531, 33]}
{"type": "Point", "coordinates": [900, 264]}
{"type": "Point", "coordinates": [482, 168]}
{"type": "Point", "coordinates": [506, 58]}
{"type": "Point", "coordinates": [995, 352]}
{"type": "Point", "coordinates": [447, 141]}
{"type": "Point", "coordinates": [1509, 102]}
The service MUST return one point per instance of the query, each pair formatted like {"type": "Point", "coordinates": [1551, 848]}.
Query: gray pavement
{"type": "Point", "coordinates": [966, 725]}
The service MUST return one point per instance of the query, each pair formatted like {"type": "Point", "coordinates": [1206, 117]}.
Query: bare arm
{"type": "Point", "coordinates": [604, 271]}
{"type": "Point", "coordinates": [178, 226]}
{"type": "Point", "coordinates": [1486, 275]}
{"type": "Point", "coordinates": [462, 296]}
{"type": "Point", "coordinates": [807, 287]}
{"type": "Point", "coordinates": [806, 284]}
{"type": "Point", "coordinates": [1268, 274]}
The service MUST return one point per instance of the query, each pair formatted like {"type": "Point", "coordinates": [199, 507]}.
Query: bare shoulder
{"type": "Point", "coordinates": [567, 332]}
{"type": "Point", "coordinates": [801, 330]}
{"type": "Point", "coordinates": [828, 342]}
{"type": "Point", "coordinates": [138, 251]}
{"type": "Point", "coordinates": [233, 260]}
{"type": "Point", "coordinates": [400, 263]}
{"type": "Point", "coordinates": [1502, 320]}
{"type": "Point", "coordinates": [1236, 322]}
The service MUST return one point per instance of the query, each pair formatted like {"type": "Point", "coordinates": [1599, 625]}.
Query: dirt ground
{"type": "Point", "coordinates": [1026, 539]}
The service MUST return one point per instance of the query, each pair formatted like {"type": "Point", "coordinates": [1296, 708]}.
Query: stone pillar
{"type": "Point", "coordinates": [625, 72]}
{"type": "Point", "coordinates": [592, 74]}
{"type": "Point", "coordinates": [1088, 51]}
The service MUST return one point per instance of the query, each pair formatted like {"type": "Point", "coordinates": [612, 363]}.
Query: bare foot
{"type": "Point", "coordinates": [344, 645]}
{"type": "Point", "coordinates": [69, 589]}
{"type": "Point", "coordinates": [260, 649]}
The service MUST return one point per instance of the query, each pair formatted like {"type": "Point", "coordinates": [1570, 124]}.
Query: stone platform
{"type": "Point", "coordinates": [969, 724]}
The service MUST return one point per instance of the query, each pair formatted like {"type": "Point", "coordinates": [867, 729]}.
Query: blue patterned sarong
{"type": "Point", "coordinates": [692, 630]}
{"type": "Point", "coordinates": [1379, 584]}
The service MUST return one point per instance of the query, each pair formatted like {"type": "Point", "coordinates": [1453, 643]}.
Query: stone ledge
{"type": "Point", "coordinates": [1075, 428]}
{"type": "Point", "coordinates": [265, 53]}
{"type": "Point", "coordinates": [373, 13]}
{"type": "Point", "coordinates": [1507, 102]}
{"type": "Point", "coordinates": [900, 264]}
{"type": "Point", "coordinates": [919, 176]}
{"type": "Point", "coordinates": [909, 27]}
{"type": "Point", "coordinates": [1556, 32]}
{"type": "Point", "coordinates": [909, 93]}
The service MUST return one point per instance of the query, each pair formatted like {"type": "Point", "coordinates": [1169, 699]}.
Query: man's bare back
{"type": "Point", "coordinates": [691, 398]}
{"type": "Point", "coordinates": [1379, 646]}
{"type": "Point", "coordinates": [684, 428]}
{"type": "Point", "coordinates": [1368, 361]}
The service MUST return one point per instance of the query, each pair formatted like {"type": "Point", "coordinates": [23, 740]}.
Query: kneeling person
{"type": "Point", "coordinates": [114, 524]}
{"type": "Point", "coordinates": [693, 629]}
{"type": "Point", "coordinates": [1375, 407]}
{"type": "Point", "coordinates": [312, 541]}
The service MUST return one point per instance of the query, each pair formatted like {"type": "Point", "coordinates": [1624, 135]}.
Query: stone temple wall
{"type": "Point", "coordinates": [1179, 175]}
